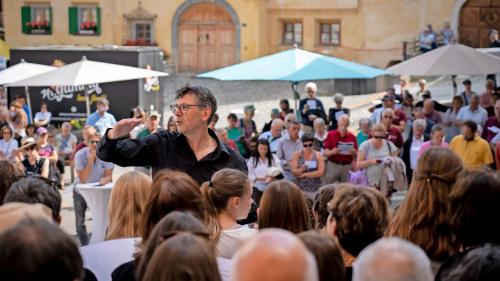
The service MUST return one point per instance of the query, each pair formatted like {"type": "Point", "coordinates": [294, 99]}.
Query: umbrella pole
{"type": "Point", "coordinates": [87, 100]}
{"type": "Point", "coordinates": [296, 98]}
{"type": "Point", "coordinates": [28, 101]}
{"type": "Point", "coordinates": [454, 82]}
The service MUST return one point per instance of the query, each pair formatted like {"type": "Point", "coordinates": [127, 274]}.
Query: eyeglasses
{"type": "Point", "coordinates": [307, 145]}
{"type": "Point", "coordinates": [379, 137]}
{"type": "Point", "coordinates": [183, 107]}
{"type": "Point", "coordinates": [94, 142]}
{"type": "Point", "coordinates": [388, 117]}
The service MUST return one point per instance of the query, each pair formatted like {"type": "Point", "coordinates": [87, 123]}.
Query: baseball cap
{"type": "Point", "coordinates": [154, 113]}
{"type": "Point", "coordinates": [467, 82]}
{"type": "Point", "coordinates": [41, 131]}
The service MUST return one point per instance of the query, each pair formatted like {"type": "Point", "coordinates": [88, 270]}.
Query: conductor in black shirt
{"type": "Point", "coordinates": [195, 149]}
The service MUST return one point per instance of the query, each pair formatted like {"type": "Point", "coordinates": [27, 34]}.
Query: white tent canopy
{"type": "Point", "coordinates": [449, 60]}
{"type": "Point", "coordinates": [21, 71]}
{"type": "Point", "coordinates": [86, 72]}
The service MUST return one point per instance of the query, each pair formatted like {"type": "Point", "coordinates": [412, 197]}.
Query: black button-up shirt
{"type": "Point", "coordinates": [166, 150]}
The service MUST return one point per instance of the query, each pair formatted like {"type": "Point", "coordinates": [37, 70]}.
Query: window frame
{"type": "Point", "coordinates": [320, 32]}
{"type": "Point", "coordinates": [80, 9]}
{"type": "Point", "coordinates": [47, 10]}
{"type": "Point", "coordinates": [284, 31]}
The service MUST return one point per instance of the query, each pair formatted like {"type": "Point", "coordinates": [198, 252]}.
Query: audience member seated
{"type": "Point", "coordinates": [320, 206]}
{"type": "Point", "coordinates": [67, 142]}
{"type": "Point", "coordinates": [285, 108]}
{"type": "Point", "coordinates": [174, 222]}
{"type": "Point", "coordinates": [479, 264]}
{"type": "Point", "coordinates": [36, 249]}
{"type": "Point", "coordinates": [260, 168]}
{"type": "Point", "coordinates": [172, 191]}
{"type": "Point", "coordinates": [152, 125]}
{"type": "Point", "coordinates": [412, 147]}
{"type": "Point", "coordinates": [87, 132]}
{"type": "Point", "coordinates": [174, 258]}
{"type": "Point", "coordinates": [422, 218]}
{"type": "Point", "coordinates": [10, 174]}
{"type": "Point", "coordinates": [36, 190]}
{"type": "Point", "coordinates": [30, 160]}
{"type": "Point", "coordinates": [335, 112]}
{"type": "Point", "coordinates": [274, 255]}
{"type": "Point", "coordinates": [284, 206]}
{"type": "Point", "coordinates": [472, 213]}
{"type": "Point", "coordinates": [308, 166]}
{"type": "Point", "coordinates": [475, 152]}
{"type": "Point", "coordinates": [358, 217]}
{"type": "Point", "coordinates": [228, 197]}
{"type": "Point", "coordinates": [14, 212]}
{"type": "Point", "coordinates": [8, 145]}
{"type": "Point", "coordinates": [327, 254]}
{"type": "Point", "coordinates": [171, 125]}
{"type": "Point", "coordinates": [42, 118]}
{"type": "Point", "coordinates": [274, 134]}
{"type": "Point", "coordinates": [222, 134]}
{"type": "Point", "coordinates": [127, 205]}
{"type": "Point", "coordinates": [392, 259]}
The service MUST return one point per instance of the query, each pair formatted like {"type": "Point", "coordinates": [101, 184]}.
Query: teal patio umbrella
{"type": "Point", "coordinates": [294, 65]}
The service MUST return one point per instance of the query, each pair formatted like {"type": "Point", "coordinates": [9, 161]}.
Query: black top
{"type": "Point", "coordinates": [495, 44]}
{"type": "Point", "coordinates": [125, 272]}
{"type": "Point", "coordinates": [333, 122]}
{"type": "Point", "coordinates": [169, 150]}
{"type": "Point", "coordinates": [319, 110]}
{"type": "Point", "coordinates": [437, 106]}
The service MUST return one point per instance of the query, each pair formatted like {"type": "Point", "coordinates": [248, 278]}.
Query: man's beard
{"type": "Point", "coordinates": [468, 137]}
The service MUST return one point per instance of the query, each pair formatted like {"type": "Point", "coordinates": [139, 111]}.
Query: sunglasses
{"type": "Point", "coordinates": [379, 137]}
{"type": "Point", "coordinates": [388, 117]}
{"type": "Point", "coordinates": [307, 145]}
{"type": "Point", "coordinates": [94, 142]}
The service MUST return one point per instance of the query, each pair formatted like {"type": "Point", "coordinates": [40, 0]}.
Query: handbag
{"type": "Point", "coordinates": [358, 177]}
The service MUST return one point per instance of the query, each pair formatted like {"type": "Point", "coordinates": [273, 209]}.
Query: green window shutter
{"type": "Point", "coordinates": [98, 20]}
{"type": "Point", "coordinates": [25, 18]}
{"type": "Point", "coordinates": [51, 19]}
{"type": "Point", "coordinates": [73, 20]}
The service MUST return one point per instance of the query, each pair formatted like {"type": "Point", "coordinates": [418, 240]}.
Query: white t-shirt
{"type": "Point", "coordinates": [231, 240]}
{"type": "Point", "coordinates": [261, 170]}
{"type": "Point", "coordinates": [7, 147]}
{"type": "Point", "coordinates": [42, 116]}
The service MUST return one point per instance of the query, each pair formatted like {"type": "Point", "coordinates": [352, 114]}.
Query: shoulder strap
{"type": "Point", "coordinates": [388, 147]}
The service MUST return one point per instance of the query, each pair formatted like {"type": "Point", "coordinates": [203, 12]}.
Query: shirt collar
{"type": "Point", "coordinates": [221, 147]}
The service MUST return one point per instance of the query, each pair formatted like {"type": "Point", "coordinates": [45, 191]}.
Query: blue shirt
{"type": "Point", "coordinates": [98, 169]}
{"type": "Point", "coordinates": [101, 123]}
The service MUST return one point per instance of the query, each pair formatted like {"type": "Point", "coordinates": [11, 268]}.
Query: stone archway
{"type": "Point", "coordinates": [474, 20]}
{"type": "Point", "coordinates": [206, 35]}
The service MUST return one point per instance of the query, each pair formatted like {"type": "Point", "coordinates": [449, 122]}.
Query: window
{"type": "Point", "coordinates": [329, 33]}
{"type": "Point", "coordinates": [292, 33]}
{"type": "Point", "coordinates": [143, 31]}
{"type": "Point", "coordinates": [36, 19]}
{"type": "Point", "coordinates": [85, 20]}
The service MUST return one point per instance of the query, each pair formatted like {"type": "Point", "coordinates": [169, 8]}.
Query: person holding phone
{"type": "Point", "coordinates": [372, 152]}
{"type": "Point", "coordinates": [308, 166]}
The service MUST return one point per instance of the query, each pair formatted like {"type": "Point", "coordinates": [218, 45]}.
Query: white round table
{"type": "Point", "coordinates": [97, 198]}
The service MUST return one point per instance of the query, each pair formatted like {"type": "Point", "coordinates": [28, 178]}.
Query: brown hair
{"type": "Point", "coordinates": [283, 206]}
{"type": "Point", "coordinates": [127, 205]}
{"type": "Point", "coordinates": [320, 207]}
{"type": "Point", "coordinates": [10, 174]}
{"type": "Point", "coordinates": [170, 224]}
{"type": "Point", "coordinates": [422, 218]}
{"type": "Point", "coordinates": [327, 253]}
{"type": "Point", "coordinates": [171, 191]}
{"type": "Point", "coordinates": [361, 216]}
{"type": "Point", "coordinates": [224, 184]}
{"type": "Point", "coordinates": [473, 208]}
{"type": "Point", "coordinates": [184, 256]}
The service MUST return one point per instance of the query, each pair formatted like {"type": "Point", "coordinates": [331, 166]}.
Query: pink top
{"type": "Point", "coordinates": [426, 145]}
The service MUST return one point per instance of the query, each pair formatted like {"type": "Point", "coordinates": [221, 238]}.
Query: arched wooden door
{"type": "Point", "coordinates": [207, 38]}
{"type": "Point", "coordinates": [477, 17]}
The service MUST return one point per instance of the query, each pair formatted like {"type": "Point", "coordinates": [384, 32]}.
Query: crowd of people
{"type": "Point", "coordinates": [305, 198]}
